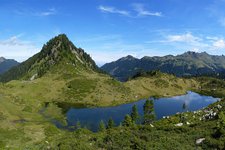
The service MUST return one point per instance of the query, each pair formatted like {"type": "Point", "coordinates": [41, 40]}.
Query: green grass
{"type": "Point", "coordinates": [21, 102]}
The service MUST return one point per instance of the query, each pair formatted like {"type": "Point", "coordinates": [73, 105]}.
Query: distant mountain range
{"type": "Point", "coordinates": [187, 64]}
{"type": "Point", "coordinates": [6, 64]}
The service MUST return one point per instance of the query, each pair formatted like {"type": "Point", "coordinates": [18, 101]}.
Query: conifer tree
{"type": "Point", "coordinates": [149, 114]}
{"type": "Point", "coordinates": [111, 123]}
{"type": "Point", "coordinates": [134, 114]}
{"type": "Point", "coordinates": [127, 121]}
{"type": "Point", "coordinates": [101, 126]}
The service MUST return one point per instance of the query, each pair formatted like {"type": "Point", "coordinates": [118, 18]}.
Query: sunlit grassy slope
{"type": "Point", "coordinates": [23, 125]}
{"type": "Point", "coordinates": [21, 101]}
{"type": "Point", "coordinates": [91, 88]}
{"type": "Point", "coordinates": [21, 104]}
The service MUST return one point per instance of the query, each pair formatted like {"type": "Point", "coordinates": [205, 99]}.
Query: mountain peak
{"type": "Point", "coordinates": [61, 50]}
{"type": "Point", "coordinates": [63, 35]}
{"type": "Point", "coordinates": [56, 43]}
{"type": "Point", "coordinates": [190, 53]}
{"type": "Point", "coordinates": [56, 55]}
{"type": "Point", "coordinates": [61, 38]}
{"type": "Point", "coordinates": [128, 57]}
{"type": "Point", "coordinates": [195, 53]}
{"type": "Point", "coordinates": [2, 59]}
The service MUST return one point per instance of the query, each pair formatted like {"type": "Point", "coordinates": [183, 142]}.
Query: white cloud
{"type": "Point", "coordinates": [115, 47]}
{"type": "Point", "coordinates": [141, 11]}
{"type": "Point", "coordinates": [187, 37]}
{"type": "Point", "coordinates": [109, 9]}
{"type": "Point", "coordinates": [212, 38]}
{"type": "Point", "coordinates": [219, 44]}
{"type": "Point", "coordinates": [192, 42]}
{"type": "Point", "coordinates": [14, 48]}
{"type": "Point", "coordinates": [31, 12]}
{"type": "Point", "coordinates": [138, 11]}
{"type": "Point", "coordinates": [49, 12]}
{"type": "Point", "coordinates": [195, 50]}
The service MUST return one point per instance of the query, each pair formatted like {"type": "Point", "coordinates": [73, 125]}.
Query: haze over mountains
{"type": "Point", "coordinates": [6, 64]}
{"type": "Point", "coordinates": [187, 64]}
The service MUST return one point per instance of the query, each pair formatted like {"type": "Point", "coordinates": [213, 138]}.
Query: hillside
{"type": "Point", "coordinates": [56, 52]}
{"type": "Point", "coordinates": [187, 64]}
{"type": "Point", "coordinates": [6, 64]}
{"type": "Point", "coordinates": [62, 72]}
{"type": "Point", "coordinates": [21, 118]}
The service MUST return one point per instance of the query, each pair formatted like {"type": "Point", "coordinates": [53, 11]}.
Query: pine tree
{"type": "Point", "coordinates": [111, 123]}
{"type": "Point", "coordinates": [184, 107]}
{"type": "Point", "coordinates": [78, 125]}
{"type": "Point", "coordinates": [134, 114]}
{"type": "Point", "coordinates": [149, 115]}
{"type": "Point", "coordinates": [101, 126]}
{"type": "Point", "coordinates": [127, 121]}
{"type": "Point", "coordinates": [221, 124]}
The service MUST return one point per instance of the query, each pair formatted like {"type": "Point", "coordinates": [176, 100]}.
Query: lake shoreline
{"type": "Point", "coordinates": [90, 117]}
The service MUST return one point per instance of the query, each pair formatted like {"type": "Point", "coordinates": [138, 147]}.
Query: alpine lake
{"type": "Point", "coordinates": [163, 107]}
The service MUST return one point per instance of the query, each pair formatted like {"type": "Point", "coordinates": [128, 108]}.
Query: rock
{"type": "Point", "coordinates": [179, 124]}
{"type": "Point", "coordinates": [219, 106]}
{"type": "Point", "coordinates": [33, 77]}
{"type": "Point", "coordinates": [199, 141]}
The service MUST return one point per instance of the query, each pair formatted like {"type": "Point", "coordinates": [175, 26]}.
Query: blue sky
{"type": "Point", "coordinates": [110, 29]}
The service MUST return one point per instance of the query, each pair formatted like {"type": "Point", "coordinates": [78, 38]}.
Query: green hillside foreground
{"type": "Point", "coordinates": [23, 126]}
{"type": "Point", "coordinates": [64, 74]}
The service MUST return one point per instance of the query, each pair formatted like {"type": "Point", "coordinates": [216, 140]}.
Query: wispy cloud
{"type": "Point", "coordinates": [209, 43]}
{"type": "Point", "coordinates": [49, 12]}
{"type": "Point", "coordinates": [212, 38]}
{"type": "Point", "coordinates": [107, 48]}
{"type": "Point", "coordinates": [141, 11]}
{"type": "Point", "coordinates": [189, 41]}
{"type": "Point", "coordinates": [109, 9]}
{"type": "Point", "coordinates": [14, 48]}
{"type": "Point", "coordinates": [31, 12]}
{"type": "Point", "coordinates": [220, 44]}
{"type": "Point", "coordinates": [138, 10]}
{"type": "Point", "coordinates": [187, 37]}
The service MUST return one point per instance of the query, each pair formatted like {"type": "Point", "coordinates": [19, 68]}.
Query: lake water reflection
{"type": "Point", "coordinates": [90, 117]}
